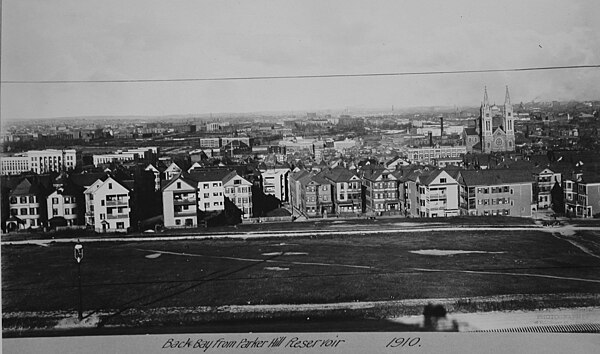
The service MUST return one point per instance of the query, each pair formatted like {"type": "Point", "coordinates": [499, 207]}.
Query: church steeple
{"type": "Point", "coordinates": [507, 98]}
{"type": "Point", "coordinates": [486, 102]}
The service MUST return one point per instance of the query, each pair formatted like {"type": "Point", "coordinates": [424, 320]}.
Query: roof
{"type": "Point", "coordinates": [428, 178]}
{"type": "Point", "coordinates": [338, 174]}
{"type": "Point", "coordinates": [471, 131]}
{"type": "Point", "coordinates": [495, 177]}
{"type": "Point", "coordinates": [27, 188]}
{"type": "Point", "coordinates": [209, 175]}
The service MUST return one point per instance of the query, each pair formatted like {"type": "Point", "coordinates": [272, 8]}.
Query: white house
{"type": "Point", "coordinates": [60, 204]}
{"type": "Point", "coordinates": [211, 193]}
{"type": "Point", "coordinates": [239, 191]}
{"type": "Point", "coordinates": [107, 206]}
{"type": "Point", "coordinates": [274, 182]}
{"type": "Point", "coordinates": [179, 203]}
{"type": "Point", "coordinates": [438, 194]}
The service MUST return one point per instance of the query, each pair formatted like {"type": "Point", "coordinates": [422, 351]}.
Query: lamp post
{"type": "Point", "coordinates": [78, 252]}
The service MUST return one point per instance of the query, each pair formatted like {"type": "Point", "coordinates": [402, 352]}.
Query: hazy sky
{"type": "Point", "coordinates": [131, 39]}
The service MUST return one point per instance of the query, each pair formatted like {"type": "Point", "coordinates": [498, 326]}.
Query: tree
{"type": "Point", "coordinates": [558, 198]}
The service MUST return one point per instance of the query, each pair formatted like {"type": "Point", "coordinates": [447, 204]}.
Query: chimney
{"type": "Point", "coordinates": [430, 139]}
{"type": "Point", "coordinates": [441, 130]}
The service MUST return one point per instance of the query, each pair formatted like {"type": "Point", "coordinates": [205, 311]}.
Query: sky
{"type": "Point", "coordinates": [147, 39]}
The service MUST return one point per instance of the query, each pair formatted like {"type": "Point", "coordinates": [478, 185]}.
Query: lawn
{"type": "Point", "coordinates": [316, 270]}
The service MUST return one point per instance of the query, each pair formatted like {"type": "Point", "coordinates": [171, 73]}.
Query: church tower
{"type": "Point", "coordinates": [509, 121]}
{"type": "Point", "coordinates": [486, 123]}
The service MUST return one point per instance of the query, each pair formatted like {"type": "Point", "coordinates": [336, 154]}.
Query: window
{"type": "Point", "coordinates": [177, 222]}
{"type": "Point", "coordinates": [72, 199]}
{"type": "Point", "coordinates": [13, 200]}
{"type": "Point", "coordinates": [442, 180]}
{"type": "Point", "coordinates": [67, 211]}
{"type": "Point", "coordinates": [102, 216]}
{"type": "Point", "coordinates": [120, 225]}
{"type": "Point", "coordinates": [54, 200]}
{"type": "Point", "coordinates": [205, 186]}
{"type": "Point", "coordinates": [32, 199]}
{"type": "Point", "coordinates": [178, 185]}
{"type": "Point", "coordinates": [215, 204]}
{"type": "Point", "coordinates": [109, 185]}
{"type": "Point", "coordinates": [206, 205]}
{"type": "Point", "coordinates": [67, 199]}
{"type": "Point", "coordinates": [206, 195]}
{"type": "Point", "coordinates": [237, 181]}
{"type": "Point", "coordinates": [23, 211]}
{"type": "Point", "coordinates": [23, 200]}
{"type": "Point", "coordinates": [215, 184]}
{"type": "Point", "coordinates": [14, 211]}
{"type": "Point", "coordinates": [215, 194]}
{"type": "Point", "coordinates": [102, 203]}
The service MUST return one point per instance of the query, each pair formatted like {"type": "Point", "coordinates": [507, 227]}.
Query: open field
{"type": "Point", "coordinates": [121, 278]}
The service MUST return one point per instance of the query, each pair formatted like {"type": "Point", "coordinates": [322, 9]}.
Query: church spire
{"type": "Point", "coordinates": [485, 97]}
{"type": "Point", "coordinates": [507, 98]}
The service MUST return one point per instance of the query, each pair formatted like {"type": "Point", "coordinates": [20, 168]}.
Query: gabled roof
{"type": "Point", "coordinates": [471, 131]}
{"type": "Point", "coordinates": [183, 177]}
{"type": "Point", "coordinates": [234, 175]}
{"type": "Point", "coordinates": [86, 179]}
{"type": "Point", "coordinates": [210, 175]}
{"type": "Point", "coordinates": [338, 174]}
{"type": "Point", "coordinates": [26, 188]}
{"type": "Point", "coordinates": [495, 177]}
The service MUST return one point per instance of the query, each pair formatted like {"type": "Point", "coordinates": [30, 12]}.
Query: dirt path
{"type": "Point", "coordinates": [305, 233]}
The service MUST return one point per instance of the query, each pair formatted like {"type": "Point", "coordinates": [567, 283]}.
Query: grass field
{"type": "Point", "coordinates": [315, 270]}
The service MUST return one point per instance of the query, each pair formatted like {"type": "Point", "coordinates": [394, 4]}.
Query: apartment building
{"type": "Point", "coordinates": [62, 203]}
{"type": "Point", "coordinates": [545, 179]}
{"type": "Point", "coordinates": [275, 182]}
{"type": "Point", "coordinates": [27, 206]}
{"type": "Point", "coordinates": [107, 206]}
{"type": "Point", "coordinates": [496, 192]}
{"type": "Point", "coordinates": [436, 194]}
{"type": "Point", "coordinates": [179, 198]}
{"type": "Point", "coordinates": [346, 190]}
{"type": "Point", "coordinates": [582, 194]}
{"type": "Point", "coordinates": [211, 193]}
{"type": "Point", "coordinates": [239, 191]}
{"type": "Point", "coordinates": [380, 191]}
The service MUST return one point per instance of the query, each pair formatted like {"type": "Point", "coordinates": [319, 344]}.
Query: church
{"type": "Point", "coordinates": [494, 129]}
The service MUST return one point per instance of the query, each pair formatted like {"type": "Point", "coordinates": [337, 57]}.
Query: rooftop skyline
{"type": "Point", "coordinates": [113, 40]}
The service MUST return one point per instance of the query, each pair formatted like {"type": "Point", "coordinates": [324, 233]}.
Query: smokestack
{"type": "Point", "coordinates": [441, 126]}
{"type": "Point", "coordinates": [430, 139]}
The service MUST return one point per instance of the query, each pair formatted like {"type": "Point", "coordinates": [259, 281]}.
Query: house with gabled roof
{"type": "Point", "coordinates": [239, 191]}
{"type": "Point", "coordinates": [179, 197]}
{"type": "Point", "coordinates": [346, 190]}
{"type": "Point", "coordinates": [437, 194]}
{"type": "Point", "coordinates": [27, 205]}
{"type": "Point", "coordinates": [380, 191]}
{"type": "Point", "coordinates": [107, 205]}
